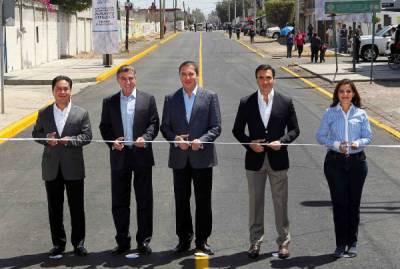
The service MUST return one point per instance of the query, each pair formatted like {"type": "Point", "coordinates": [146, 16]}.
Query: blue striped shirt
{"type": "Point", "coordinates": [337, 126]}
{"type": "Point", "coordinates": [128, 104]}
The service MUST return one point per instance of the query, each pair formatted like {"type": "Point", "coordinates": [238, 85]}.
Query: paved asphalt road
{"type": "Point", "coordinates": [229, 70]}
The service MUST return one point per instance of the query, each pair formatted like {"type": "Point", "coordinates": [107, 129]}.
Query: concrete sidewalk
{"type": "Point", "coordinates": [28, 90]}
{"type": "Point", "coordinates": [381, 97]}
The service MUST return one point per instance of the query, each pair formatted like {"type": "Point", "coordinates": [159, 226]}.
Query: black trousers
{"type": "Point", "coordinates": [346, 177]}
{"type": "Point", "coordinates": [202, 183]}
{"type": "Point", "coordinates": [289, 48]}
{"type": "Point", "coordinates": [314, 54]}
{"type": "Point", "coordinates": [55, 200]}
{"type": "Point", "coordinates": [300, 50]}
{"type": "Point", "coordinates": [121, 185]}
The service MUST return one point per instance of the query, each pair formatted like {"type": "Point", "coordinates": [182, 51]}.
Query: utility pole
{"type": "Point", "coordinates": [229, 11]}
{"type": "Point", "coordinates": [128, 6]}
{"type": "Point", "coordinates": [161, 22]}
{"type": "Point", "coordinates": [184, 16]}
{"type": "Point", "coordinates": [234, 13]}
{"type": "Point", "coordinates": [297, 18]}
{"type": "Point", "coordinates": [244, 17]}
{"type": "Point", "coordinates": [175, 6]}
{"type": "Point", "coordinates": [2, 57]}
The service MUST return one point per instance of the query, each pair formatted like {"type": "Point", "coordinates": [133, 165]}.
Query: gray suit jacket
{"type": "Point", "coordinates": [205, 124]}
{"type": "Point", "coordinates": [68, 158]}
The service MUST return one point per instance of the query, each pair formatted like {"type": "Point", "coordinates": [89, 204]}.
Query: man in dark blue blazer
{"type": "Point", "coordinates": [191, 117]}
{"type": "Point", "coordinates": [271, 121]}
{"type": "Point", "coordinates": [129, 118]}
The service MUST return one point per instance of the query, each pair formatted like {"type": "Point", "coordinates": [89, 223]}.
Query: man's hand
{"type": "Point", "coordinates": [65, 140]}
{"type": "Point", "coordinates": [196, 144]}
{"type": "Point", "coordinates": [52, 136]}
{"type": "Point", "coordinates": [183, 144]}
{"type": "Point", "coordinates": [140, 142]}
{"type": "Point", "coordinates": [343, 148]}
{"type": "Point", "coordinates": [354, 145]}
{"type": "Point", "coordinates": [256, 146]}
{"type": "Point", "coordinates": [275, 145]}
{"type": "Point", "coordinates": [118, 144]}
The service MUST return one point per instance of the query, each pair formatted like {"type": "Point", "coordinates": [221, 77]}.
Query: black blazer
{"type": "Point", "coordinates": [146, 124]}
{"type": "Point", "coordinates": [282, 126]}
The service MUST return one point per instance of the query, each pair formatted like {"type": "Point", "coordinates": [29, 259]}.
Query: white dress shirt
{"type": "Point", "coordinates": [60, 117]}
{"type": "Point", "coordinates": [265, 108]}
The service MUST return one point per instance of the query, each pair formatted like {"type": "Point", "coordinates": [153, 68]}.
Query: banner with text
{"type": "Point", "coordinates": [105, 26]}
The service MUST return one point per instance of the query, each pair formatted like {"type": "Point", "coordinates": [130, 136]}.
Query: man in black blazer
{"type": "Point", "coordinates": [191, 116]}
{"type": "Point", "coordinates": [67, 128]}
{"type": "Point", "coordinates": [129, 118]}
{"type": "Point", "coordinates": [271, 121]}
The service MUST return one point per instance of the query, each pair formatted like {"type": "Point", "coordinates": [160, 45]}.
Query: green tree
{"type": "Point", "coordinates": [222, 9]}
{"type": "Point", "coordinates": [198, 15]}
{"type": "Point", "coordinates": [280, 12]}
{"type": "Point", "coordinates": [72, 5]}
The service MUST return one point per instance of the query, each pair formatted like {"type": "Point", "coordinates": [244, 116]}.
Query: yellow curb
{"type": "Point", "coordinates": [135, 58]}
{"type": "Point", "coordinates": [201, 262]}
{"type": "Point", "coordinates": [20, 125]}
{"type": "Point", "coordinates": [247, 46]}
{"type": "Point", "coordinates": [201, 82]}
{"type": "Point", "coordinates": [374, 121]}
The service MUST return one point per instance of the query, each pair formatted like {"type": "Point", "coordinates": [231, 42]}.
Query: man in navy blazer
{"type": "Point", "coordinates": [129, 118]}
{"type": "Point", "coordinates": [191, 117]}
{"type": "Point", "coordinates": [271, 121]}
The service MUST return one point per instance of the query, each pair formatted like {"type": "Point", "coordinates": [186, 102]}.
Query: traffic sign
{"type": "Point", "coordinates": [354, 6]}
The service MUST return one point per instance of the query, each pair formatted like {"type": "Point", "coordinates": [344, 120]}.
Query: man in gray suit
{"type": "Point", "coordinates": [67, 129]}
{"type": "Point", "coordinates": [192, 117]}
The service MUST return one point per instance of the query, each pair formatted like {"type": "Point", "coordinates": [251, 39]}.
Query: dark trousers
{"type": "Point", "coordinates": [322, 57]}
{"type": "Point", "coordinates": [121, 185]}
{"type": "Point", "coordinates": [55, 200]}
{"type": "Point", "coordinates": [346, 177]}
{"type": "Point", "coordinates": [314, 54]}
{"type": "Point", "coordinates": [300, 50]}
{"type": "Point", "coordinates": [202, 183]}
{"type": "Point", "coordinates": [289, 48]}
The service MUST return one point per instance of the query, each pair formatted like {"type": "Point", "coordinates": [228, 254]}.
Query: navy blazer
{"type": "Point", "coordinates": [205, 124]}
{"type": "Point", "coordinates": [146, 124]}
{"type": "Point", "coordinates": [282, 126]}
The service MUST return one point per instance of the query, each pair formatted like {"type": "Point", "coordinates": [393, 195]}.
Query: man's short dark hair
{"type": "Point", "coordinates": [126, 68]}
{"type": "Point", "coordinates": [265, 67]}
{"type": "Point", "coordinates": [61, 77]}
{"type": "Point", "coordinates": [190, 63]}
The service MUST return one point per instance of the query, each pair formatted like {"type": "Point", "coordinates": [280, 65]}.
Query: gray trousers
{"type": "Point", "coordinates": [279, 189]}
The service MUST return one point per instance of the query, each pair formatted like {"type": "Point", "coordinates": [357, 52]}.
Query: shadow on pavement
{"type": "Point", "coordinates": [308, 262]}
{"type": "Point", "coordinates": [94, 259]}
{"type": "Point", "coordinates": [236, 260]}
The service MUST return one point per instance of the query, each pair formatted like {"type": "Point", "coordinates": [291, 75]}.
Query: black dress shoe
{"type": "Point", "coordinates": [144, 249]}
{"type": "Point", "coordinates": [80, 251]}
{"type": "Point", "coordinates": [55, 251]}
{"type": "Point", "coordinates": [118, 250]}
{"type": "Point", "coordinates": [182, 246]}
{"type": "Point", "coordinates": [253, 251]}
{"type": "Point", "coordinates": [204, 248]}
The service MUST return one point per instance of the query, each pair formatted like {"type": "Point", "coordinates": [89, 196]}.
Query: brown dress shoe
{"type": "Point", "coordinates": [284, 252]}
{"type": "Point", "coordinates": [253, 251]}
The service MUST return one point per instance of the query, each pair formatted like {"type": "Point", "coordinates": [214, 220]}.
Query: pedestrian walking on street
{"type": "Point", "coordinates": [300, 40]}
{"type": "Point", "coordinates": [63, 165]}
{"type": "Point", "coordinates": [357, 44]}
{"type": "Point", "coordinates": [230, 31]}
{"type": "Point", "coordinates": [329, 35]}
{"type": "Point", "coordinates": [322, 51]}
{"type": "Point", "coordinates": [345, 131]}
{"type": "Point", "coordinates": [315, 47]}
{"type": "Point", "coordinates": [237, 32]}
{"type": "Point", "coordinates": [310, 30]}
{"type": "Point", "coordinates": [252, 33]}
{"type": "Point", "coordinates": [289, 45]}
{"type": "Point", "coordinates": [271, 121]}
{"type": "Point", "coordinates": [190, 117]}
{"type": "Point", "coordinates": [129, 118]}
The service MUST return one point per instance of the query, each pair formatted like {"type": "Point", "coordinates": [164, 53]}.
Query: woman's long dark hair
{"type": "Point", "coordinates": [356, 100]}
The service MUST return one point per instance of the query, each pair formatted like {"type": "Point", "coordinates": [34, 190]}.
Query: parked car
{"type": "Point", "coordinates": [367, 51]}
{"type": "Point", "coordinates": [273, 32]}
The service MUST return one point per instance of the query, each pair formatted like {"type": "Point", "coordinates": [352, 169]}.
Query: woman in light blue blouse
{"type": "Point", "coordinates": [345, 131]}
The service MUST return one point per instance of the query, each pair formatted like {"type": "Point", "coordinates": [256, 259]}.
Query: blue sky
{"type": "Point", "coordinates": [205, 5]}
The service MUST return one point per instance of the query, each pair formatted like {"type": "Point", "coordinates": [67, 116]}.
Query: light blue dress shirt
{"type": "Point", "coordinates": [189, 101]}
{"type": "Point", "coordinates": [337, 126]}
{"type": "Point", "coordinates": [128, 104]}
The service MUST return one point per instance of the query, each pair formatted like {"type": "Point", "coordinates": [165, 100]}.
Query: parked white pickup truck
{"type": "Point", "coordinates": [367, 52]}
{"type": "Point", "coordinates": [273, 32]}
